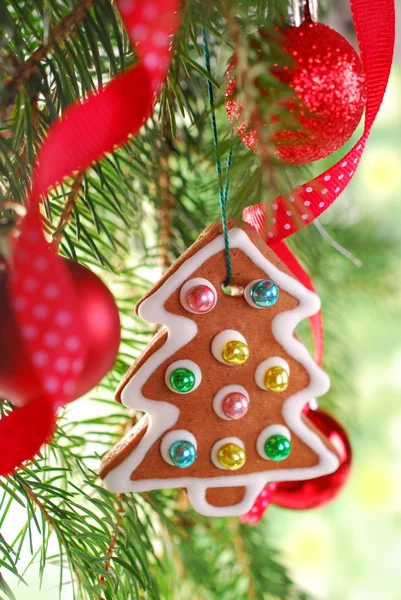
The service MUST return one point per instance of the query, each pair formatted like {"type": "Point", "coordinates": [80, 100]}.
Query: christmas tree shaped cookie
{"type": "Point", "coordinates": [223, 383]}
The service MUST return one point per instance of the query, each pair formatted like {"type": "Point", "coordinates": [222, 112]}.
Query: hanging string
{"type": "Point", "coordinates": [223, 190]}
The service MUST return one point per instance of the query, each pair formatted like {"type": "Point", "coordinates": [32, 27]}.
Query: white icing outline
{"type": "Point", "coordinates": [183, 364]}
{"type": "Point", "coordinates": [177, 435]}
{"type": "Point", "coordinates": [248, 298]}
{"type": "Point", "coordinates": [267, 432]}
{"type": "Point", "coordinates": [274, 361]}
{"type": "Point", "coordinates": [221, 394]}
{"type": "Point", "coordinates": [221, 339]}
{"type": "Point", "coordinates": [193, 283]}
{"type": "Point", "coordinates": [163, 415]}
{"type": "Point", "coordinates": [216, 447]}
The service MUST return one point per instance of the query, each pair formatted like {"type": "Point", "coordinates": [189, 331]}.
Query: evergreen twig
{"type": "Point", "coordinates": [167, 204]}
{"type": "Point", "coordinates": [25, 71]}
{"type": "Point", "coordinates": [68, 210]}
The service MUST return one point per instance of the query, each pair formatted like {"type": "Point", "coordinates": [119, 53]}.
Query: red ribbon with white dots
{"type": "Point", "coordinates": [375, 29]}
{"type": "Point", "coordinates": [40, 285]}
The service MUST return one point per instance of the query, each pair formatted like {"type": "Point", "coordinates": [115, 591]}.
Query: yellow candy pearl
{"type": "Point", "coordinates": [231, 456]}
{"type": "Point", "coordinates": [235, 353]}
{"type": "Point", "coordinates": [276, 379]}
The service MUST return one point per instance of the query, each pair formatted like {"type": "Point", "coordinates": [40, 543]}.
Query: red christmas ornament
{"type": "Point", "coordinates": [327, 78]}
{"type": "Point", "coordinates": [300, 495]}
{"type": "Point", "coordinates": [312, 493]}
{"type": "Point", "coordinates": [19, 382]}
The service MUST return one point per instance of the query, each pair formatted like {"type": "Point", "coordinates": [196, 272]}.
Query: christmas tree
{"type": "Point", "coordinates": [128, 218]}
{"type": "Point", "coordinates": [203, 354]}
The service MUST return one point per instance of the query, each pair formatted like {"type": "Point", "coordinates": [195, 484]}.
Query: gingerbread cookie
{"type": "Point", "coordinates": [223, 383]}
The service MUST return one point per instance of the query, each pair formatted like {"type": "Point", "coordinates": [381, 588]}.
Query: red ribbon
{"type": "Point", "coordinates": [41, 287]}
{"type": "Point", "coordinates": [375, 28]}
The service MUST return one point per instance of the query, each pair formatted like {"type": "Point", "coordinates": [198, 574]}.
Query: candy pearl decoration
{"type": "Point", "coordinates": [178, 436]}
{"type": "Point", "coordinates": [268, 371]}
{"type": "Point", "coordinates": [201, 299]}
{"type": "Point", "coordinates": [277, 447]}
{"type": "Point", "coordinates": [235, 353]}
{"type": "Point", "coordinates": [235, 406]}
{"type": "Point", "coordinates": [182, 380]}
{"type": "Point", "coordinates": [228, 453]}
{"type": "Point", "coordinates": [273, 441]}
{"type": "Point", "coordinates": [231, 456]}
{"type": "Point", "coordinates": [220, 404]}
{"type": "Point", "coordinates": [264, 293]}
{"type": "Point", "coordinates": [230, 347]}
{"type": "Point", "coordinates": [182, 454]}
{"type": "Point", "coordinates": [198, 296]}
{"type": "Point", "coordinates": [276, 379]}
{"type": "Point", "coordinates": [183, 376]}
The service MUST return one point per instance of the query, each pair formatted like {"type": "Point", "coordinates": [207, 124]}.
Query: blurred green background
{"type": "Point", "coordinates": [351, 549]}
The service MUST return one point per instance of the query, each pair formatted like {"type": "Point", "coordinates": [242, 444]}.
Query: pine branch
{"type": "Point", "coordinates": [68, 210]}
{"type": "Point", "coordinates": [113, 539]}
{"type": "Point", "coordinates": [241, 554]}
{"type": "Point", "coordinates": [25, 71]}
{"type": "Point", "coordinates": [167, 202]}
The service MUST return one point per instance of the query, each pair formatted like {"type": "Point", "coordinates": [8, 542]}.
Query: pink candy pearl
{"type": "Point", "coordinates": [201, 298]}
{"type": "Point", "coordinates": [235, 405]}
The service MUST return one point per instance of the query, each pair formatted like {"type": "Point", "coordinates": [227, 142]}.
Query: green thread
{"type": "Point", "coordinates": [223, 191]}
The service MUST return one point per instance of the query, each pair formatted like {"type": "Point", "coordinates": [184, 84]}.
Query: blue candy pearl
{"type": "Point", "coordinates": [183, 454]}
{"type": "Point", "coordinates": [264, 293]}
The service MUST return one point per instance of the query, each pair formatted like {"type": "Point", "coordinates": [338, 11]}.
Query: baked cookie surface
{"type": "Point", "coordinates": [223, 383]}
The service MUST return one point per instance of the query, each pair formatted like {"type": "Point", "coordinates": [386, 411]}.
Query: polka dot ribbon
{"type": "Point", "coordinates": [375, 28]}
{"type": "Point", "coordinates": [41, 288]}
{"type": "Point", "coordinates": [263, 501]}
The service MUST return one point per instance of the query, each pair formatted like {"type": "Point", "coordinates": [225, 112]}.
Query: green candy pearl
{"type": "Point", "coordinates": [277, 447]}
{"type": "Point", "coordinates": [182, 380]}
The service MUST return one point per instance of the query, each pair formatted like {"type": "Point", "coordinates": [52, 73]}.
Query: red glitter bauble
{"type": "Point", "coordinates": [19, 382]}
{"type": "Point", "coordinates": [317, 492]}
{"type": "Point", "coordinates": [326, 75]}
